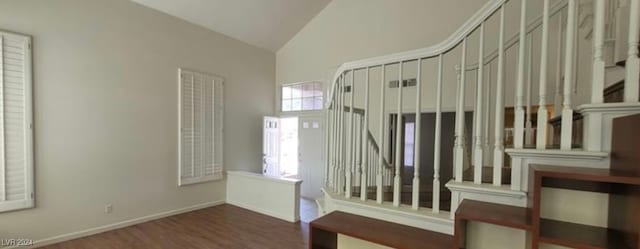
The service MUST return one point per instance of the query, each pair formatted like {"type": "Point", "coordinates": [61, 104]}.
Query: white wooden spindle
{"type": "Point", "coordinates": [498, 151]}
{"type": "Point", "coordinates": [415, 198]}
{"type": "Point", "coordinates": [478, 148]}
{"type": "Point", "coordinates": [341, 136]}
{"type": "Point", "coordinates": [518, 133]}
{"type": "Point", "coordinates": [597, 80]}
{"type": "Point", "coordinates": [557, 99]}
{"type": "Point", "coordinates": [528, 138]}
{"type": "Point", "coordinates": [383, 127]}
{"type": "Point", "coordinates": [567, 112]}
{"type": "Point", "coordinates": [365, 130]}
{"type": "Point", "coordinates": [399, 125]}
{"type": "Point", "coordinates": [327, 154]}
{"type": "Point", "coordinates": [459, 146]}
{"type": "Point", "coordinates": [334, 148]}
{"type": "Point", "coordinates": [543, 117]}
{"type": "Point", "coordinates": [436, 142]}
{"type": "Point", "coordinates": [351, 138]}
{"type": "Point", "coordinates": [632, 78]}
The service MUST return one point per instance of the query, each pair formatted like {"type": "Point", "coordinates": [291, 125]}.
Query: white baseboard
{"type": "Point", "coordinates": [121, 224]}
{"type": "Point", "coordinates": [264, 211]}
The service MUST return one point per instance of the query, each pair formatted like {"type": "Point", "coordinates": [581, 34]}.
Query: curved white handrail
{"type": "Point", "coordinates": [513, 40]}
{"type": "Point", "coordinates": [453, 40]}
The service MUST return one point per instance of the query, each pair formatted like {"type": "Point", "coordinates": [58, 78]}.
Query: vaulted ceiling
{"type": "Point", "coordinates": [267, 24]}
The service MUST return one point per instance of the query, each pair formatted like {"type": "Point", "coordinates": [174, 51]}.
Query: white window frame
{"type": "Point", "coordinates": [29, 196]}
{"type": "Point", "coordinates": [214, 177]}
{"type": "Point", "coordinates": [281, 98]}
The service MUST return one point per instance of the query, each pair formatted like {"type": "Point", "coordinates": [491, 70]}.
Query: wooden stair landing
{"type": "Point", "coordinates": [323, 233]}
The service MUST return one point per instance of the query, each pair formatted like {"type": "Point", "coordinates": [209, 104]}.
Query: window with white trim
{"type": "Point", "coordinates": [201, 131]}
{"type": "Point", "coordinates": [305, 96]}
{"type": "Point", "coordinates": [16, 123]}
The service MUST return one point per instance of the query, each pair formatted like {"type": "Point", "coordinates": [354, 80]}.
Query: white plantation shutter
{"type": "Point", "coordinates": [16, 129]}
{"type": "Point", "coordinates": [201, 109]}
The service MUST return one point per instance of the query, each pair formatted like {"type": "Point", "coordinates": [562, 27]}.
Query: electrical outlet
{"type": "Point", "coordinates": [108, 209]}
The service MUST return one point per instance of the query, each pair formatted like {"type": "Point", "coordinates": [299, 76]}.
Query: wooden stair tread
{"type": "Point", "coordinates": [579, 235]}
{"type": "Point", "coordinates": [497, 214]}
{"type": "Point", "coordinates": [586, 174]}
{"type": "Point", "coordinates": [382, 232]}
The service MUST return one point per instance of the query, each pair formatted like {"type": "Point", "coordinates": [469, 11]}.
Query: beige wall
{"type": "Point", "coordinates": [106, 111]}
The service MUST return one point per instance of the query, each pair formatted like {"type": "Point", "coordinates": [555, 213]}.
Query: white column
{"type": "Point", "coordinates": [383, 127]}
{"type": "Point", "coordinates": [518, 133]}
{"type": "Point", "coordinates": [459, 150]}
{"type": "Point", "coordinates": [478, 162]}
{"type": "Point", "coordinates": [415, 198]}
{"type": "Point", "coordinates": [350, 139]}
{"type": "Point", "coordinates": [498, 151]}
{"type": "Point", "coordinates": [633, 62]}
{"type": "Point", "coordinates": [399, 143]}
{"type": "Point", "coordinates": [436, 142]}
{"type": "Point", "coordinates": [543, 117]}
{"type": "Point", "coordinates": [567, 112]}
{"type": "Point", "coordinates": [597, 80]}
{"type": "Point", "coordinates": [365, 129]}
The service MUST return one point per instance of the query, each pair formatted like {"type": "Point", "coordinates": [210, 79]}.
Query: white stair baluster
{"type": "Point", "coordinates": [567, 112]}
{"type": "Point", "coordinates": [436, 142]}
{"type": "Point", "coordinates": [459, 146]}
{"type": "Point", "coordinates": [479, 150]}
{"type": "Point", "coordinates": [518, 133]}
{"type": "Point", "coordinates": [365, 129]}
{"type": "Point", "coordinates": [351, 139]}
{"type": "Point", "coordinates": [543, 117]}
{"type": "Point", "coordinates": [597, 80]}
{"type": "Point", "coordinates": [632, 78]}
{"type": "Point", "coordinates": [528, 138]}
{"type": "Point", "coordinates": [498, 152]}
{"type": "Point", "coordinates": [399, 131]}
{"type": "Point", "coordinates": [415, 201]}
{"type": "Point", "coordinates": [383, 127]}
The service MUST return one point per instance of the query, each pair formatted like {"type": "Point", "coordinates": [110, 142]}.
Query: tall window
{"type": "Point", "coordinates": [302, 97]}
{"type": "Point", "coordinates": [201, 109]}
{"type": "Point", "coordinates": [16, 123]}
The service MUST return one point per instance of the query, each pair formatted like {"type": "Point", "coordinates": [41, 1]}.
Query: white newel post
{"type": "Point", "coordinates": [593, 121]}
{"type": "Point", "coordinates": [397, 185]}
{"type": "Point", "coordinates": [383, 127]}
{"type": "Point", "coordinates": [567, 112]}
{"type": "Point", "coordinates": [365, 129]}
{"type": "Point", "coordinates": [436, 142]}
{"type": "Point", "coordinates": [350, 138]}
{"type": "Point", "coordinates": [498, 152]}
{"type": "Point", "coordinates": [543, 117]}
{"type": "Point", "coordinates": [459, 150]}
{"type": "Point", "coordinates": [518, 133]}
{"type": "Point", "coordinates": [478, 162]}
{"type": "Point", "coordinates": [633, 62]}
{"type": "Point", "coordinates": [415, 201]}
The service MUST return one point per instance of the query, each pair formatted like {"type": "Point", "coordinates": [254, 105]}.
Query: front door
{"type": "Point", "coordinates": [271, 146]}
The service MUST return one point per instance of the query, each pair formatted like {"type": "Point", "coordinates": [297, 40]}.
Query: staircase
{"type": "Point", "coordinates": [513, 96]}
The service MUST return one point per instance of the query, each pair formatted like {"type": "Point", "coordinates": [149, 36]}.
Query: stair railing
{"type": "Point", "coordinates": [342, 137]}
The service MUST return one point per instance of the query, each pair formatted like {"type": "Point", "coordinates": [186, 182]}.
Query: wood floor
{"type": "Point", "coordinates": [223, 226]}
